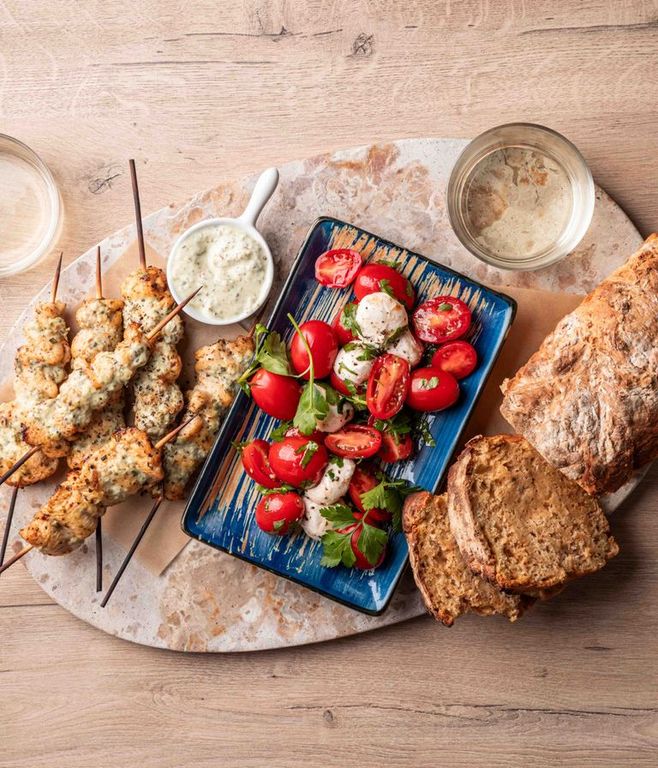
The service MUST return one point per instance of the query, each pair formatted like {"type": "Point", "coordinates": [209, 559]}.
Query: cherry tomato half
{"type": "Point", "coordinates": [298, 461]}
{"type": "Point", "coordinates": [338, 384]}
{"type": "Point", "coordinates": [370, 277]}
{"type": "Point", "coordinates": [388, 385]}
{"type": "Point", "coordinates": [356, 441]}
{"type": "Point", "coordinates": [395, 447]}
{"type": "Point", "coordinates": [361, 561]}
{"type": "Point", "coordinates": [277, 513]}
{"type": "Point", "coordinates": [363, 481]}
{"type": "Point", "coordinates": [323, 344]}
{"type": "Point", "coordinates": [456, 357]}
{"type": "Point", "coordinates": [275, 394]}
{"type": "Point", "coordinates": [442, 318]}
{"type": "Point", "coordinates": [257, 465]}
{"type": "Point", "coordinates": [337, 268]}
{"type": "Point", "coordinates": [343, 334]}
{"type": "Point", "coordinates": [432, 389]}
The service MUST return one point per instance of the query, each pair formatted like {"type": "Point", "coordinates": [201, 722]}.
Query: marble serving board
{"type": "Point", "coordinates": [206, 600]}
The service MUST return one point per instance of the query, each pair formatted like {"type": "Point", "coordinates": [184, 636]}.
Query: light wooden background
{"type": "Point", "coordinates": [198, 91]}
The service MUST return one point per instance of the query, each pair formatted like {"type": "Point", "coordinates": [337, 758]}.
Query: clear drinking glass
{"type": "Point", "coordinates": [520, 238]}
{"type": "Point", "coordinates": [30, 207]}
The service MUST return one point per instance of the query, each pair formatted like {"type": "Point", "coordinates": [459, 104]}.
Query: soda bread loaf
{"type": "Point", "coordinates": [587, 400]}
{"type": "Point", "coordinates": [519, 522]}
{"type": "Point", "coordinates": [448, 587]}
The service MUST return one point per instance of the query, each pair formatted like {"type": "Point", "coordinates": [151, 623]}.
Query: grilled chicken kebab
{"type": "Point", "coordinates": [101, 329]}
{"type": "Point", "coordinates": [157, 397]}
{"type": "Point", "coordinates": [126, 464]}
{"type": "Point", "coordinates": [39, 369]}
{"type": "Point", "coordinates": [218, 367]}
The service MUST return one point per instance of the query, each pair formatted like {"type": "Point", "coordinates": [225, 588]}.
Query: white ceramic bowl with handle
{"type": "Point", "coordinates": [265, 186]}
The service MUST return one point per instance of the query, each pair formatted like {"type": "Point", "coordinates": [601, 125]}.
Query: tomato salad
{"type": "Point", "coordinates": [346, 394]}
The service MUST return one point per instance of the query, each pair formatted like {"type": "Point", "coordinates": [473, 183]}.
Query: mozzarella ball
{"type": "Point", "coordinates": [353, 363]}
{"type": "Point", "coordinates": [337, 417]}
{"type": "Point", "coordinates": [313, 524]}
{"type": "Point", "coordinates": [379, 316]}
{"type": "Point", "coordinates": [407, 347]}
{"type": "Point", "coordinates": [334, 482]}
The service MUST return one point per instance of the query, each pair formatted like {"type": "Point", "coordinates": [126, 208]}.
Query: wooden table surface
{"type": "Point", "coordinates": [199, 91]}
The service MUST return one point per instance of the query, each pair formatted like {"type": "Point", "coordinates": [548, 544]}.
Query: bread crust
{"type": "Point", "coordinates": [447, 586]}
{"type": "Point", "coordinates": [585, 551]}
{"type": "Point", "coordinates": [587, 400]}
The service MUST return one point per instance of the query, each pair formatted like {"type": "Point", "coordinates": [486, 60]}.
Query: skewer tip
{"type": "Point", "coordinates": [58, 272]}
{"type": "Point", "coordinates": [99, 274]}
{"type": "Point", "coordinates": [176, 310]}
{"type": "Point", "coordinates": [171, 435]}
{"type": "Point", "coordinates": [138, 214]}
{"type": "Point", "coordinates": [16, 558]}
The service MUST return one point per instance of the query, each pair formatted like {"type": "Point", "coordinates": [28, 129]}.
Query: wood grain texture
{"type": "Point", "coordinates": [200, 91]}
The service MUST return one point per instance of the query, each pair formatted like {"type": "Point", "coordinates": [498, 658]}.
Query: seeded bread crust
{"type": "Point", "coordinates": [448, 587]}
{"type": "Point", "coordinates": [588, 398]}
{"type": "Point", "coordinates": [519, 522]}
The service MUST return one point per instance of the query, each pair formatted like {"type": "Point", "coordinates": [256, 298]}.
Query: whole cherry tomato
{"type": "Point", "coordinates": [443, 318]}
{"type": "Point", "coordinates": [256, 463]}
{"type": "Point", "coordinates": [363, 481]}
{"type": "Point", "coordinates": [337, 268]}
{"type": "Point", "coordinates": [456, 357]}
{"type": "Point", "coordinates": [355, 441]}
{"type": "Point", "coordinates": [277, 513]}
{"type": "Point", "coordinates": [298, 461]}
{"type": "Point", "coordinates": [395, 447]}
{"type": "Point", "coordinates": [388, 385]}
{"type": "Point", "coordinates": [343, 334]}
{"type": "Point", "coordinates": [275, 394]}
{"type": "Point", "coordinates": [380, 277]}
{"type": "Point", "coordinates": [432, 389]}
{"type": "Point", "coordinates": [323, 344]}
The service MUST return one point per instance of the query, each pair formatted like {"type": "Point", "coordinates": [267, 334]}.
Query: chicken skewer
{"type": "Point", "coordinates": [39, 369]}
{"type": "Point", "coordinates": [157, 397]}
{"type": "Point", "coordinates": [218, 367]}
{"type": "Point", "coordinates": [101, 328]}
{"type": "Point", "coordinates": [88, 390]}
{"type": "Point", "coordinates": [128, 464]}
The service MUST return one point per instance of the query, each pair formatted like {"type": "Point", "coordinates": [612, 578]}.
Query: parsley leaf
{"type": "Point", "coordinates": [398, 426]}
{"type": "Point", "coordinates": [339, 515]}
{"type": "Point", "coordinates": [337, 549]}
{"type": "Point", "coordinates": [313, 407]}
{"type": "Point", "coordinates": [278, 433]}
{"type": "Point", "coordinates": [445, 306]}
{"type": "Point", "coordinates": [431, 383]}
{"type": "Point", "coordinates": [371, 542]}
{"type": "Point", "coordinates": [274, 491]}
{"type": "Point", "coordinates": [388, 495]}
{"type": "Point", "coordinates": [348, 319]}
{"type": "Point", "coordinates": [308, 450]}
{"type": "Point", "coordinates": [423, 432]}
{"type": "Point", "coordinates": [271, 353]}
{"type": "Point", "coordinates": [385, 286]}
{"type": "Point", "coordinates": [278, 524]}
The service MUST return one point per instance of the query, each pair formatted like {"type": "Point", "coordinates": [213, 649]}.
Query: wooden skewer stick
{"type": "Point", "coordinates": [10, 517]}
{"type": "Point", "coordinates": [99, 556]}
{"type": "Point", "coordinates": [58, 272]}
{"type": "Point", "coordinates": [19, 464]}
{"type": "Point", "coordinates": [16, 558]}
{"type": "Point", "coordinates": [156, 331]}
{"type": "Point", "coordinates": [138, 215]}
{"type": "Point", "coordinates": [99, 274]}
{"type": "Point", "coordinates": [171, 435]}
{"type": "Point", "coordinates": [131, 551]}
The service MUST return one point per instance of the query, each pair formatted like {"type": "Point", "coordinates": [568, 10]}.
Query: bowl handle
{"type": "Point", "coordinates": [263, 190]}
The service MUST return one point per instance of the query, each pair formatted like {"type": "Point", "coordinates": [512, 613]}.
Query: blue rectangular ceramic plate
{"type": "Point", "coordinates": [221, 508]}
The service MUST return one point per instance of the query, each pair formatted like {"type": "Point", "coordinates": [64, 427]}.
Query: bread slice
{"type": "Point", "coordinates": [519, 522]}
{"type": "Point", "coordinates": [448, 587]}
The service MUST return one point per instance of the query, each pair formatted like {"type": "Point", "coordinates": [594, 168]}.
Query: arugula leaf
{"type": "Point", "coordinates": [239, 445]}
{"type": "Point", "coordinates": [337, 549]}
{"type": "Point", "coordinates": [270, 353]}
{"type": "Point", "coordinates": [308, 450]}
{"type": "Point", "coordinates": [313, 407]}
{"type": "Point", "coordinates": [368, 351]}
{"type": "Point", "coordinates": [348, 319]}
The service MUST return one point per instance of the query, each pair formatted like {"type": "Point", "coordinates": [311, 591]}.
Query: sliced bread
{"type": "Point", "coordinates": [448, 587]}
{"type": "Point", "coordinates": [519, 522]}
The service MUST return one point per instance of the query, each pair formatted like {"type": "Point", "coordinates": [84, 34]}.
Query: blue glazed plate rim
{"type": "Point", "coordinates": [205, 480]}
